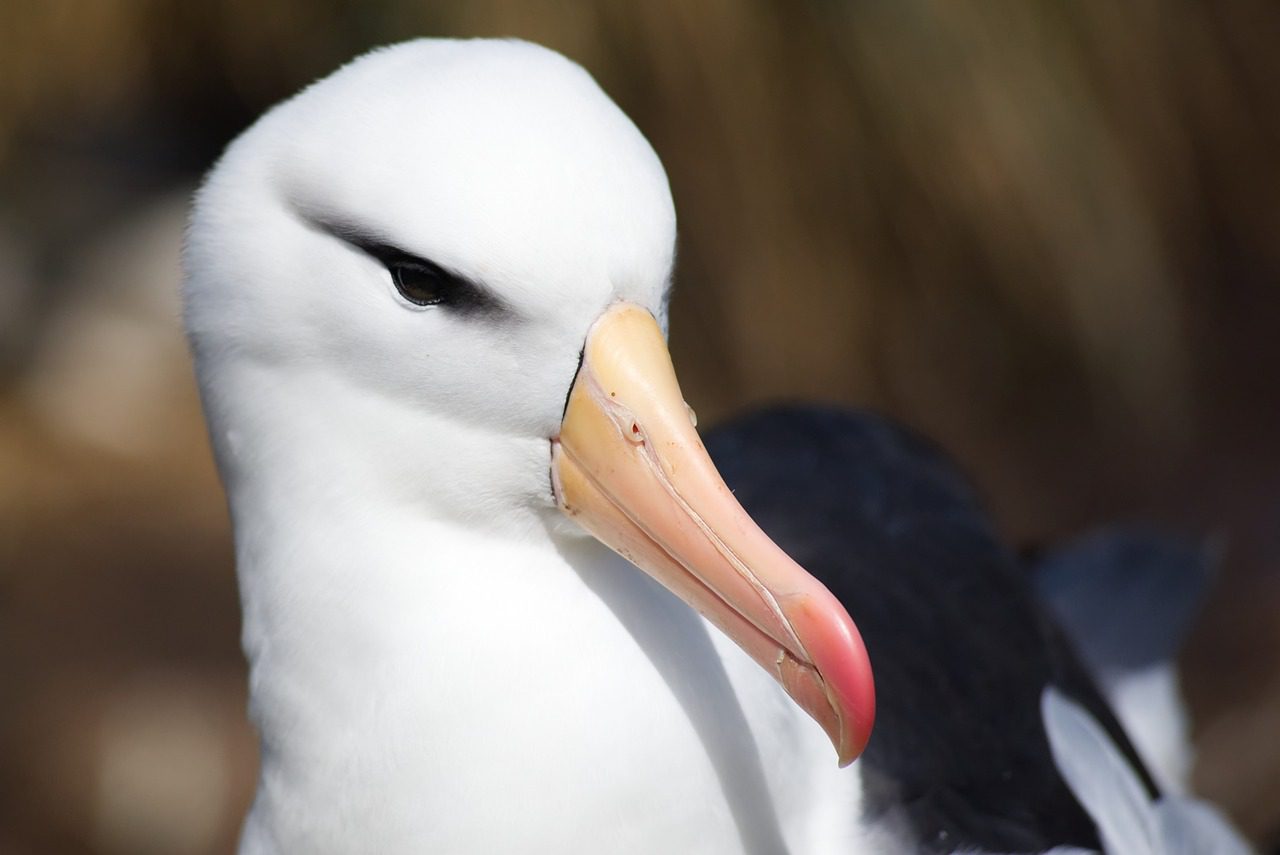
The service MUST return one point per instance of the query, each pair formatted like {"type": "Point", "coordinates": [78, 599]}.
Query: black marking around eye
{"type": "Point", "coordinates": [455, 292]}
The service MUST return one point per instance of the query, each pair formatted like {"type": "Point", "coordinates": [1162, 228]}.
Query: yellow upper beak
{"type": "Point", "coordinates": [629, 467]}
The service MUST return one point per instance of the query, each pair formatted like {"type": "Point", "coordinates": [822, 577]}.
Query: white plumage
{"type": "Point", "coordinates": [439, 661]}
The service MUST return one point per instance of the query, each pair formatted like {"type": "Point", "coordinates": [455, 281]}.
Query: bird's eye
{"type": "Point", "coordinates": [421, 284]}
{"type": "Point", "coordinates": [419, 280]}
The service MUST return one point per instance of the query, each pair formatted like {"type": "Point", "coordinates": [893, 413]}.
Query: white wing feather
{"type": "Point", "coordinates": [1100, 777]}
{"type": "Point", "coordinates": [1107, 787]}
{"type": "Point", "coordinates": [1191, 827]}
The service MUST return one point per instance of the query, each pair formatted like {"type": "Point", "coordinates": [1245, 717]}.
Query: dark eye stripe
{"type": "Point", "coordinates": [419, 280]}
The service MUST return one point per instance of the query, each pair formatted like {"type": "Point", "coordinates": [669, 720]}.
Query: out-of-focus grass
{"type": "Point", "coordinates": [1043, 233]}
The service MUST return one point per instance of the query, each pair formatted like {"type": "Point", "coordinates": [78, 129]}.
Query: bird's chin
{"type": "Point", "coordinates": [564, 528]}
{"type": "Point", "coordinates": [628, 467]}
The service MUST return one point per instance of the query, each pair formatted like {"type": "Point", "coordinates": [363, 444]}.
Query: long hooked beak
{"type": "Point", "coordinates": [629, 467]}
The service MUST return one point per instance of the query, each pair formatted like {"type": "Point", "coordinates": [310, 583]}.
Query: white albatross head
{"type": "Point", "coordinates": [445, 268]}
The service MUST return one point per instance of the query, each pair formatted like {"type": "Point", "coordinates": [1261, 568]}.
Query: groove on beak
{"type": "Point", "coordinates": [629, 467]}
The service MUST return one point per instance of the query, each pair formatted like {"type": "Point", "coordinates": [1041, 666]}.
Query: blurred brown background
{"type": "Point", "coordinates": [1043, 233]}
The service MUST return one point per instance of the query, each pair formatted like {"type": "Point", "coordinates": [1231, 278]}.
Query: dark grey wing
{"type": "Point", "coordinates": [960, 649]}
{"type": "Point", "coordinates": [1126, 596]}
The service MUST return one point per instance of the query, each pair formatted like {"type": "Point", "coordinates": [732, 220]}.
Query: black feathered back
{"type": "Point", "coordinates": [958, 645]}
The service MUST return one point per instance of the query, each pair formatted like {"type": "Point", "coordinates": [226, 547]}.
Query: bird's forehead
{"type": "Point", "coordinates": [508, 158]}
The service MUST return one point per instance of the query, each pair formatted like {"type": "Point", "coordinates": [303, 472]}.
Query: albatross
{"type": "Point", "coordinates": [496, 596]}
